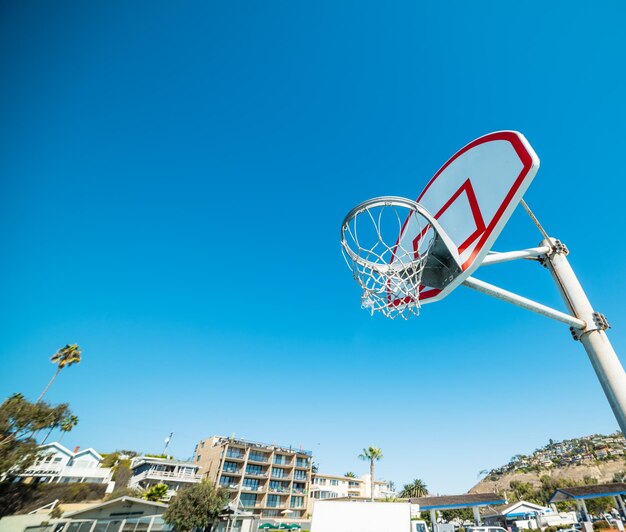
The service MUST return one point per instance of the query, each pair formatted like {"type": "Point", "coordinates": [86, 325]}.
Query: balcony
{"type": "Point", "coordinates": [254, 474]}
{"type": "Point", "coordinates": [177, 476]}
{"type": "Point", "coordinates": [231, 471]}
{"type": "Point", "coordinates": [284, 491]}
{"type": "Point", "coordinates": [251, 504]}
{"type": "Point", "coordinates": [99, 474]}
{"type": "Point", "coordinates": [282, 462]}
{"type": "Point", "coordinates": [258, 458]}
{"type": "Point", "coordinates": [235, 455]}
{"type": "Point", "coordinates": [253, 489]}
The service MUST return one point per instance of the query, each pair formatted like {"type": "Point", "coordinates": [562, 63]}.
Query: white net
{"type": "Point", "coordinates": [386, 244]}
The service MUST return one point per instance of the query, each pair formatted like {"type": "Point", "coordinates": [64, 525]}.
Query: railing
{"type": "Point", "coordinates": [303, 465]}
{"type": "Point", "coordinates": [251, 504]}
{"type": "Point", "coordinates": [170, 475]}
{"type": "Point", "coordinates": [286, 448]}
{"type": "Point", "coordinates": [231, 454]}
{"type": "Point", "coordinates": [258, 458]}
{"type": "Point", "coordinates": [282, 462]}
{"type": "Point", "coordinates": [68, 471]}
{"type": "Point", "coordinates": [299, 477]}
{"type": "Point", "coordinates": [232, 470]}
{"type": "Point", "coordinates": [256, 474]}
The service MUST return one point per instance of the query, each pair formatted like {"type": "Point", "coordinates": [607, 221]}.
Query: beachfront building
{"type": "Point", "coordinates": [336, 486]}
{"type": "Point", "coordinates": [270, 480]}
{"type": "Point", "coordinates": [175, 474]}
{"type": "Point", "coordinates": [56, 463]}
{"type": "Point", "coordinates": [325, 487]}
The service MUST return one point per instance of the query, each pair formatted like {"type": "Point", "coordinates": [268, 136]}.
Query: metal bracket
{"type": "Point", "coordinates": [600, 324]}
{"type": "Point", "coordinates": [557, 248]}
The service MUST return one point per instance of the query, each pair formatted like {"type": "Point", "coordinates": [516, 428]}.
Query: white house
{"type": "Point", "coordinates": [57, 463]}
{"type": "Point", "coordinates": [176, 474]}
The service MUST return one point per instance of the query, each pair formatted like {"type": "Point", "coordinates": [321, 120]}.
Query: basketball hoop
{"type": "Point", "coordinates": [389, 268]}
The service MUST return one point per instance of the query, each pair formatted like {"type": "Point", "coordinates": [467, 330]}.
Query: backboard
{"type": "Point", "coordinates": [472, 197]}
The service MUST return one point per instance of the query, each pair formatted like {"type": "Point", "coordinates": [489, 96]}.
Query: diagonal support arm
{"type": "Point", "coordinates": [529, 304]}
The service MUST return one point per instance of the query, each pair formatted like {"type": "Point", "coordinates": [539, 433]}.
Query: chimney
{"type": "Point", "coordinates": [76, 449]}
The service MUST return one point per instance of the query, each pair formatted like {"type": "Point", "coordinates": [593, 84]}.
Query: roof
{"type": "Point", "coordinates": [58, 447]}
{"type": "Point", "coordinates": [510, 510]}
{"type": "Point", "coordinates": [125, 498]}
{"type": "Point", "coordinates": [91, 451]}
{"type": "Point", "coordinates": [138, 460]}
{"type": "Point", "coordinates": [449, 502]}
{"type": "Point", "coordinates": [339, 477]}
{"type": "Point", "coordinates": [588, 492]}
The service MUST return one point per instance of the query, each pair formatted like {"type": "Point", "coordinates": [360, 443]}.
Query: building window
{"type": "Point", "coordinates": [227, 481]}
{"type": "Point", "coordinates": [280, 459]}
{"type": "Point", "coordinates": [198, 459]}
{"type": "Point", "coordinates": [251, 483]}
{"type": "Point", "coordinates": [302, 462]}
{"type": "Point", "coordinates": [270, 513]}
{"type": "Point", "coordinates": [321, 481]}
{"type": "Point", "coordinates": [248, 500]}
{"type": "Point", "coordinates": [230, 467]}
{"type": "Point", "coordinates": [297, 502]}
{"type": "Point", "coordinates": [277, 472]}
{"type": "Point", "coordinates": [277, 485]}
{"type": "Point", "coordinates": [258, 457]}
{"type": "Point", "coordinates": [254, 470]}
{"type": "Point", "coordinates": [334, 482]}
{"type": "Point", "coordinates": [273, 501]}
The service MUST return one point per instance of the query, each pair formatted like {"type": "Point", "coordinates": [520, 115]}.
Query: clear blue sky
{"type": "Point", "coordinates": [174, 176]}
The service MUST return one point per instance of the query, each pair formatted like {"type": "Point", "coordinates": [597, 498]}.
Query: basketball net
{"type": "Point", "coordinates": [387, 267]}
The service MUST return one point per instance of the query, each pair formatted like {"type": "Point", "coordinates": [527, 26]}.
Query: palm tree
{"type": "Point", "coordinates": [67, 424]}
{"type": "Point", "coordinates": [373, 454]}
{"type": "Point", "coordinates": [349, 474]}
{"type": "Point", "coordinates": [417, 488]}
{"type": "Point", "coordinates": [66, 356]}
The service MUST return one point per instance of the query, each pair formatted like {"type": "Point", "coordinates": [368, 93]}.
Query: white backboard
{"type": "Point", "coordinates": [357, 516]}
{"type": "Point", "coordinates": [473, 195]}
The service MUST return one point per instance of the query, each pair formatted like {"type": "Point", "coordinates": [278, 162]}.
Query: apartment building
{"type": "Point", "coordinates": [267, 479]}
{"type": "Point", "coordinates": [176, 474]}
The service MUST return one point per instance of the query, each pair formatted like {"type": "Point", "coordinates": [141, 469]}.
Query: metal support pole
{"type": "Point", "coordinates": [585, 512]}
{"type": "Point", "coordinates": [506, 256]}
{"type": "Point", "coordinates": [524, 302]}
{"type": "Point", "coordinates": [433, 520]}
{"type": "Point", "coordinates": [620, 500]}
{"type": "Point", "coordinates": [601, 354]}
{"type": "Point", "coordinates": [477, 516]}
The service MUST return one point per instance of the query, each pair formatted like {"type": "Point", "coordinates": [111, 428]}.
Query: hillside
{"type": "Point", "coordinates": [602, 472]}
{"type": "Point", "coordinates": [596, 457]}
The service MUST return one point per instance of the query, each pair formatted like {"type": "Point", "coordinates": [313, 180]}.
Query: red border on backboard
{"type": "Point", "coordinates": [527, 163]}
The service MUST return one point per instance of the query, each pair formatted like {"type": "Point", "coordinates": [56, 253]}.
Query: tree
{"type": "Point", "coordinates": [156, 493]}
{"type": "Point", "coordinates": [371, 454]}
{"type": "Point", "coordinates": [349, 474]}
{"type": "Point", "coordinates": [66, 356]}
{"type": "Point", "coordinates": [196, 507]}
{"type": "Point", "coordinates": [20, 421]}
{"type": "Point", "coordinates": [417, 488]}
{"type": "Point", "coordinates": [66, 426]}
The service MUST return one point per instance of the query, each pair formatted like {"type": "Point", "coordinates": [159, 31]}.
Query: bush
{"type": "Point", "coordinates": [16, 497]}
{"type": "Point", "coordinates": [599, 525]}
